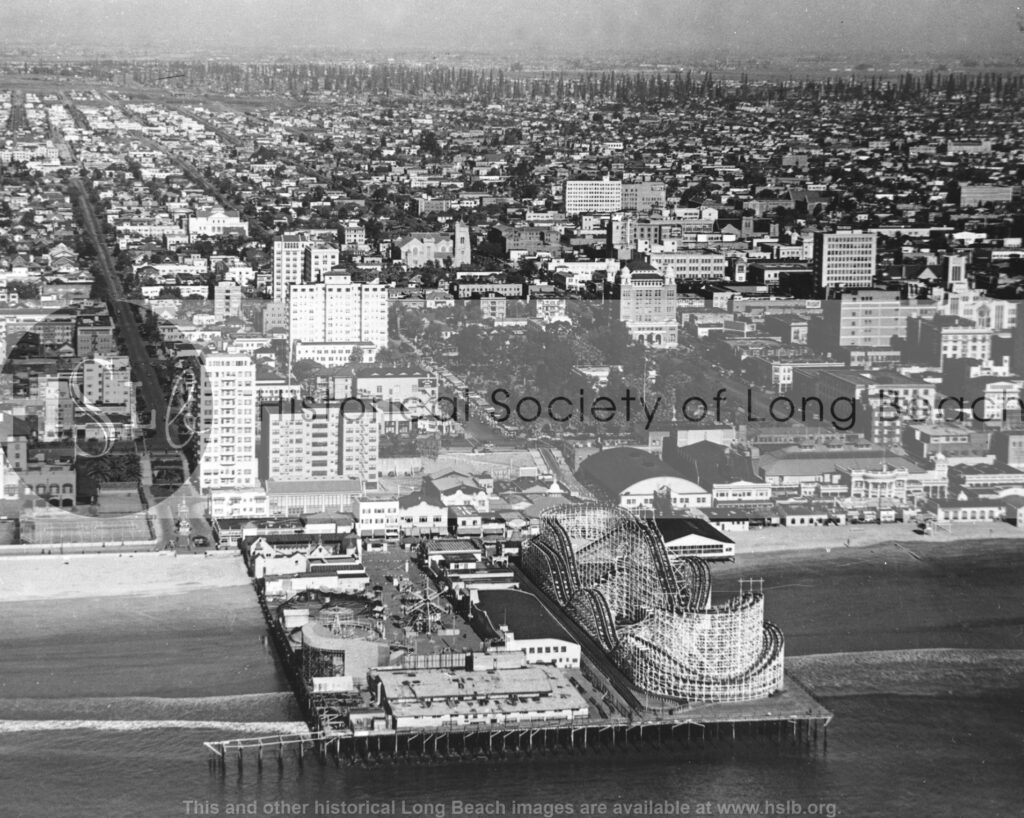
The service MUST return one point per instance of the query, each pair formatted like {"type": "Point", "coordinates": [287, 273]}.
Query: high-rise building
{"type": "Point", "coordinates": [320, 441]}
{"type": "Point", "coordinates": [297, 258]}
{"type": "Point", "coordinates": [227, 300]}
{"type": "Point", "coordinates": [592, 196]}
{"type": "Point", "coordinates": [318, 259]}
{"type": "Point", "coordinates": [228, 404]}
{"type": "Point", "coordinates": [337, 310]}
{"type": "Point", "coordinates": [845, 259]}
{"type": "Point", "coordinates": [288, 259]}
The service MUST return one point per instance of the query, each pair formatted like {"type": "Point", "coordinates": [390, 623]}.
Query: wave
{"type": "Point", "coordinates": [919, 672]}
{"type": "Point", "coordinates": [117, 725]}
{"type": "Point", "coordinates": [247, 707]}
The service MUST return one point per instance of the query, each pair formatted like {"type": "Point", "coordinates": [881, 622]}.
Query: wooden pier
{"type": "Point", "coordinates": [790, 720]}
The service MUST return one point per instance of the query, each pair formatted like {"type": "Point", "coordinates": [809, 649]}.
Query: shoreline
{"type": "Point", "coordinates": [54, 577]}
{"type": "Point", "coordinates": [862, 535]}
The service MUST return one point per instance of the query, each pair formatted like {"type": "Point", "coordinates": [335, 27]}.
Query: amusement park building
{"type": "Point", "coordinates": [632, 478]}
{"type": "Point", "coordinates": [521, 623]}
{"type": "Point", "coordinates": [653, 617]}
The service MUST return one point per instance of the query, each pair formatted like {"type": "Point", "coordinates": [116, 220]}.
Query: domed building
{"type": "Point", "coordinates": [633, 478]}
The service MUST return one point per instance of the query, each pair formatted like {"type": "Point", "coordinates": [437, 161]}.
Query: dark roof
{"type": "Point", "coordinates": [707, 463]}
{"type": "Point", "coordinates": [522, 612]}
{"type": "Point", "coordinates": [379, 371]}
{"type": "Point", "coordinates": [615, 470]}
{"type": "Point", "coordinates": [672, 528]}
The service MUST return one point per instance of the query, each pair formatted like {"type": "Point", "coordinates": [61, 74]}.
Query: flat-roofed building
{"type": "Point", "coordinates": [517, 621]}
{"type": "Point", "coordinates": [423, 699]}
{"type": "Point", "coordinates": [592, 196]}
{"type": "Point", "coordinates": [845, 259]}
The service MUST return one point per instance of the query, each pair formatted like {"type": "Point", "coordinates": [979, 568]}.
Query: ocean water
{"type": "Point", "coordinates": [887, 756]}
{"type": "Point", "coordinates": [105, 705]}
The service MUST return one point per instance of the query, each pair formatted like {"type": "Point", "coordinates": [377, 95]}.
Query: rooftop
{"type": "Point", "coordinates": [522, 612]}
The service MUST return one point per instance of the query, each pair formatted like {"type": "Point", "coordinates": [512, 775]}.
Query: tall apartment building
{"type": "Point", "coordinates": [647, 307]}
{"type": "Point", "coordinates": [322, 441]}
{"type": "Point", "coordinates": [592, 196]}
{"type": "Point", "coordinates": [288, 259]}
{"type": "Point", "coordinates": [845, 259]}
{"type": "Point", "coordinates": [317, 260]}
{"type": "Point", "coordinates": [337, 310]}
{"type": "Point", "coordinates": [297, 258]}
{"type": "Point", "coordinates": [227, 300]}
{"type": "Point", "coordinates": [228, 405]}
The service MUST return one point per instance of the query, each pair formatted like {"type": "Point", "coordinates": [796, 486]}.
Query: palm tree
{"type": "Point", "coordinates": [126, 468]}
{"type": "Point", "coordinates": [100, 469]}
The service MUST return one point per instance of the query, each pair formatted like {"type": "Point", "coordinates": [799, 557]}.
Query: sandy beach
{"type": "Point", "coordinates": [826, 538]}
{"type": "Point", "coordinates": [56, 577]}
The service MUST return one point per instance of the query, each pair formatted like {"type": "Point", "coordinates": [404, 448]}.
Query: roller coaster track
{"type": "Point", "coordinates": [610, 571]}
{"type": "Point", "coordinates": [565, 549]}
{"type": "Point", "coordinates": [693, 576]}
{"type": "Point", "coordinates": [605, 623]}
{"type": "Point", "coordinates": [770, 650]}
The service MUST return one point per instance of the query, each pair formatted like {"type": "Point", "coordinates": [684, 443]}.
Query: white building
{"type": "Point", "coordinates": [845, 259]}
{"type": "Point", "coordinates": [228, 404]}
{"type": "Point", "coordinates": [336, 354]}
{"type": "Point", "coordinates": [317, 260]}
{"type": "Point", "coordinates": [688, 265]}
{"type": "Point", "coordinates": [353, 235]}
{"type": "Point", "coordinates": [215, 221]}
{"type": "Point", "coordinates": [377, 517]}
{"type": "Point", "coordinates": [292, 264]}
{"type": "Point", "coordinates": [108, 381]}
{"type": "Point", "coordinates": [592, 196]}
{"type": "Point", "coordinates": [337, 310]}
{"type": "Point", "coordinates": [319, 441]}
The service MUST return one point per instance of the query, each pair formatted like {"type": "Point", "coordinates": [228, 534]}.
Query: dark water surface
{"type": "Point", "coordinates": [199, 659]}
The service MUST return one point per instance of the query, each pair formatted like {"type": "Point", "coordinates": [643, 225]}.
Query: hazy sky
{"type": "Point", "coordinates": [573, 27]}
